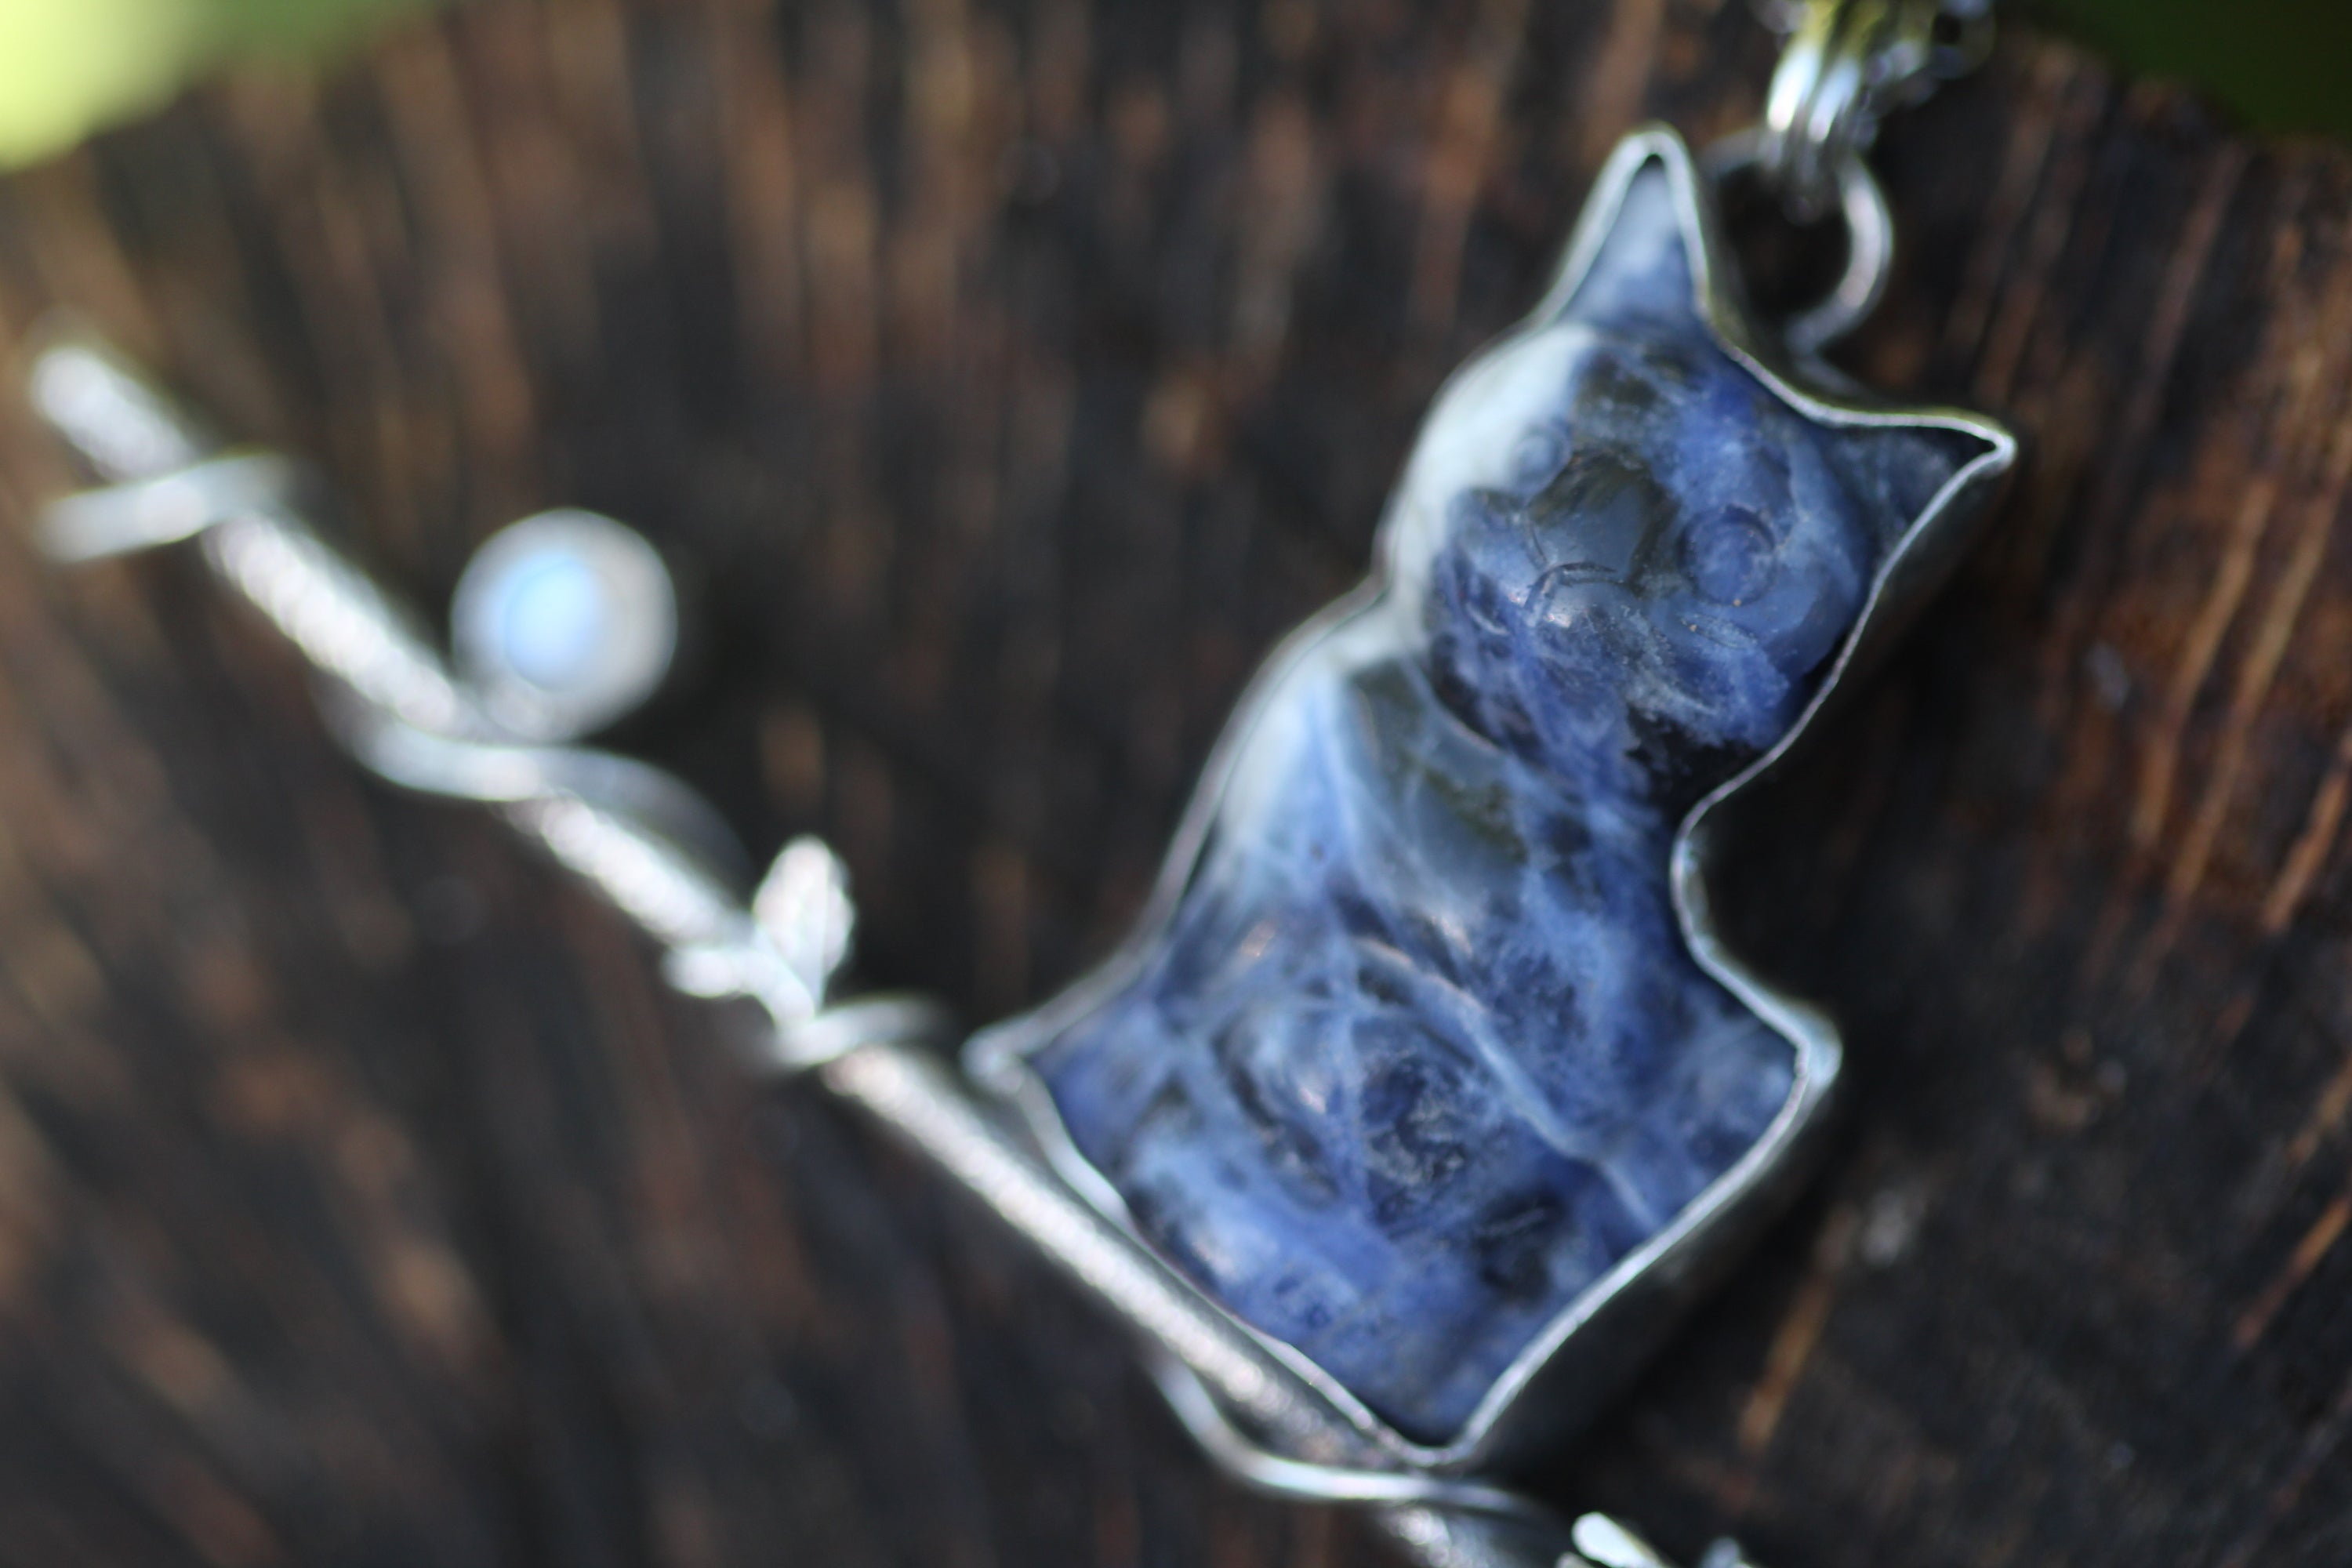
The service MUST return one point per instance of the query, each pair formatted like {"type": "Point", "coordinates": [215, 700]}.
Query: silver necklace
{"type": "Point", "coordinates": [1427, 1092]}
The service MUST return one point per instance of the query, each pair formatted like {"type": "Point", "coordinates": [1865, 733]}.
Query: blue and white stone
{"type": "Point", "coordinates": [1420, 1052]}
{"type": "Point", "coordinates": [564, 622]}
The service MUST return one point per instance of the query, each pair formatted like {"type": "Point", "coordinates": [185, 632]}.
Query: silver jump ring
{"type": "Point", "coordinates": [1869, 239]}
{"type": "Point", "coordinates": [1817, 112]}
{"type": "Point", "coordinates": [1846, 64]}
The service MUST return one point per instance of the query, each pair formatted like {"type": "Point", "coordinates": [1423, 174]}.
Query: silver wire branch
{"type": "Point", "coordinates": [656, 851]}
{"type": "Point", "coordinates": [642, 840]}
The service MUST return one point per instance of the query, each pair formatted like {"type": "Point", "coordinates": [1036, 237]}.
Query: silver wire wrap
{"type": "Point", "coordinates": [657, 853]}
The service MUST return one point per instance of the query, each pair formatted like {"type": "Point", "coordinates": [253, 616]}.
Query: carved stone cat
{"type": "Point", "coordinates": [1415, 1051]}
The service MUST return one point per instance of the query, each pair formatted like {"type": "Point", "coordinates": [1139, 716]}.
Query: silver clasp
{"type": "Point", "coordinates": [1846, 64]}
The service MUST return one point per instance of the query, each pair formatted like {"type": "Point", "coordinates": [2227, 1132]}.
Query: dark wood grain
{"type": "Point", "coordinates": [1013, 372]}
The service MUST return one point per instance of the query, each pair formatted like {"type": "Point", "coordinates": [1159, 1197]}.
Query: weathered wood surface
{"type": "Point", "coordinates": [1014, 371]}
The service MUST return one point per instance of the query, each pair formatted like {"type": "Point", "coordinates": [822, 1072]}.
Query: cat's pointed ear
{"type": "Point", "coordinates": [1638, 256]}
{"type": "Point", "coordinates": [1642, 261]}
{"type": "Point", "coordinates": [1899, 465]}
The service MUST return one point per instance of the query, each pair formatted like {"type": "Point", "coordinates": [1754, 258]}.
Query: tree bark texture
{"type": "Point", "coordinates": [1012, 373]}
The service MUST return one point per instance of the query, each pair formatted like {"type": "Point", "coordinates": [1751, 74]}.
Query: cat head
{"type": "Point", "coordinates": [1615, 526]}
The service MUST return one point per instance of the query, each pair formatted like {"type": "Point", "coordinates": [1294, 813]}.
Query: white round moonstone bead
{"type": "Point", "coordinates": [564, 622]}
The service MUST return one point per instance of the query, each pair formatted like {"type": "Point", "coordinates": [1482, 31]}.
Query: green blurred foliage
{"type": "Point", "coordinates": [67, 66]}
{"type": "Point", "coordinates": [2279, 63]}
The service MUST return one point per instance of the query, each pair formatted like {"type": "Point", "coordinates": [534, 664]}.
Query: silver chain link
{"type": "Point", "coordinates": [1846, 65]}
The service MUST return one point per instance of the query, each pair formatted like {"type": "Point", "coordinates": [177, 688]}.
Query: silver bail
{"type": "Point", "coordinates": [1846, 64]}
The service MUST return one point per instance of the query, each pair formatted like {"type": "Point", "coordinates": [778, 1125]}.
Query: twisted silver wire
{"type": "Point", "coordinates": [649, 845]}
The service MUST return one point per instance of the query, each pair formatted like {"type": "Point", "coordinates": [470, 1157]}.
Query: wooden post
{"type": "Point", "coordinates": [1013, 374]}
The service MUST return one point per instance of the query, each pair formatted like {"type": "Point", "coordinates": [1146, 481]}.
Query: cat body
{"type": "Point", "coordinates": [1419, 1052]}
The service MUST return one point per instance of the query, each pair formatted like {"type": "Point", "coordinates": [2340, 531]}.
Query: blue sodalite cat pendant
{"type": "Point", "coordinates": [1427, 1089]}
{"type": "Point", "coordinates": [1427, 1062]}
